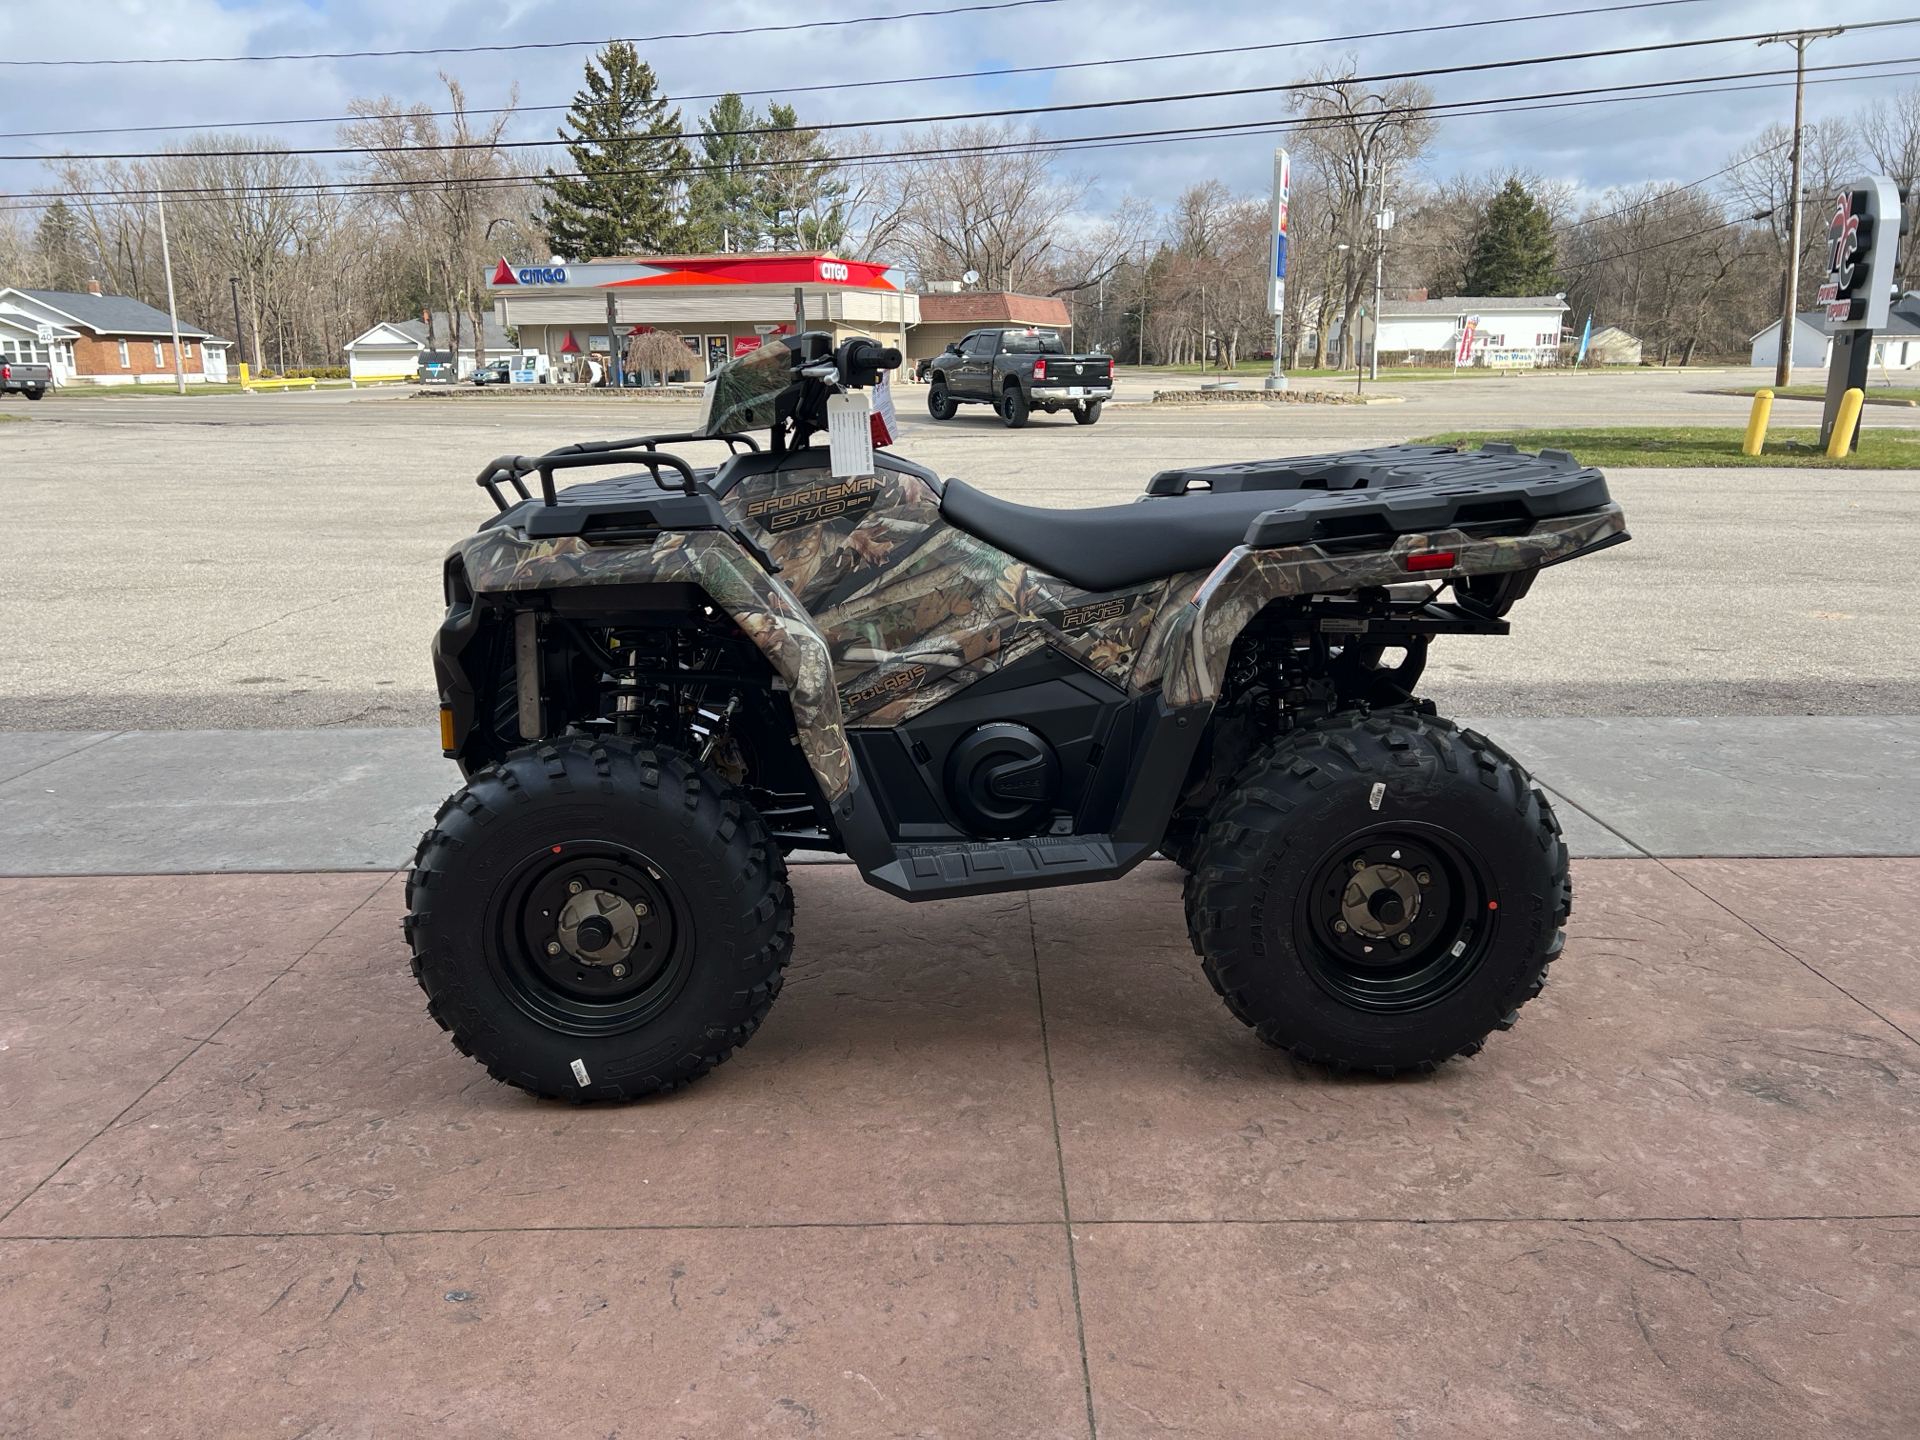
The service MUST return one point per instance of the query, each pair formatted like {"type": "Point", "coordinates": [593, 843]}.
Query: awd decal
{"type": "Point", "coordinates": [1081, 616]}
{"type": "Point", "coordinates": [815, 504]}
{"type": "Point", "coordinates": [896, 682]}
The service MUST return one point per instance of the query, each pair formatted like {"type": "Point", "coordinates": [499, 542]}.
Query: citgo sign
{"type": "Point", "coordinates": [506, 274]}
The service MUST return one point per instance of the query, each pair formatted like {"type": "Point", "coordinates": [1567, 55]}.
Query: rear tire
{"type": "Point", "coordinates": [940, 404]}
{"type": "Point", "coordinates": [38, 394]}
{"type": "Point", "coordinates": [1014, 408]}
{"type": "Point", "coordinates": [1089, 413]}
{"type": "Point", "coordinates": [684, 921]}
{"type": "Point", "coordinates": [1379, 939]}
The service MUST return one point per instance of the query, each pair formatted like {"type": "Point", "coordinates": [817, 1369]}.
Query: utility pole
{"type": "Point", "coordinates": [173, 312]}
{"type": "Point", "coordinates": [239, 340]}
{"type": "Point", "coordinates": [1790, 291]}
{"type": "Point", "coordinates": [615, 379]}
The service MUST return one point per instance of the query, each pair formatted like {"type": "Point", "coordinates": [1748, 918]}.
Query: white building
{"type": "Point", "coordinates": [392, 349]}
{"type": "Point", "coordinates": [1428, 331]}
{"type": "Point", "coordinates": [1895, 348]}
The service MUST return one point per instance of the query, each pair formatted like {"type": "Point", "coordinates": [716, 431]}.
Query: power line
{"type": "Point", "coordinates": [1237, 92]}
{"type": "Point", "coordinates": [726, 34]}
{"type": "Point", "coordinates": [903, 80]}
{"type": "Point", "coordinates": [1467, 109]}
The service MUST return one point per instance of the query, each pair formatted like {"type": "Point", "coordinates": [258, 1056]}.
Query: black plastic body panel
{"type": "Point", "coordinates": [1395, 490]}
{"type": "Point", "coordinates": [1162, 739]}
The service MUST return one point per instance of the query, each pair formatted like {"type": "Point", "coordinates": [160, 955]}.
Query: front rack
{"type": "Point", "coordinates": [639, 450]}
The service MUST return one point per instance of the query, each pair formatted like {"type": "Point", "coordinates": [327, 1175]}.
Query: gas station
{"type": "Point", "coordinates": [722, 306]}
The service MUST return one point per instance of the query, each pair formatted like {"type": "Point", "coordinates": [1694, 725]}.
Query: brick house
{"type": "Point", "coordinates": [91, 338]}
{"type": "Point", "coordinates": [946, 316]}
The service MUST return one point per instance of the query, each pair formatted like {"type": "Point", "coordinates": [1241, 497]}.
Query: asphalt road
{"type": "Point", "coordinates": [273, 561]}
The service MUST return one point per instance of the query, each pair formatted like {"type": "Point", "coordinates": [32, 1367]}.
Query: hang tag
{"type": "Point", "coordinates": [886, 423]}
{"type": "Point", "coordinates": [850, 434]}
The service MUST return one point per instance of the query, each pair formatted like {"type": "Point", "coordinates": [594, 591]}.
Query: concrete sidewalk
{"type": "Point", "coordinates": [1001, 1167]}
{"type": "Point", "coordinates": [179, 802]}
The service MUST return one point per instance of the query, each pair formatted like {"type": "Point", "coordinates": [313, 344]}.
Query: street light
{"type": "Point", "coordinates": [1347, 340]}
{"type": "Point", "coordinates": [1382, 222]}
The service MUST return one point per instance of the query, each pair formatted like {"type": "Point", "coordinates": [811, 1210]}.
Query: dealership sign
{"type": "Point", "coordinates": [1863, 255]}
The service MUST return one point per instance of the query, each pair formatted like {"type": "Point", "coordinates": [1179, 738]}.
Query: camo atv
{"type": "Point", "coordinates": [659, 684]}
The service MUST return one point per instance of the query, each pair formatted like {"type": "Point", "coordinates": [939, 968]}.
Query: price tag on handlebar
{"type": "Point", "coordinates": [850, 434]}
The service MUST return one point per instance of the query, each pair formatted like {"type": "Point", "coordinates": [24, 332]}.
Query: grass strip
{"type": "Point", "coordinates": [1876, 394]}
{"type": "Point", "coordinates": [1674, 446]}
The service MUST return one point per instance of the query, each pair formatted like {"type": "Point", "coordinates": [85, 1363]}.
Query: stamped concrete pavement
{"type": "Point", "coordinates": [999, 1167]}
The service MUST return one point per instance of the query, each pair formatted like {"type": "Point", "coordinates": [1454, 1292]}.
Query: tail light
{"type": "Point", "coordinates": [6, 373]}
{"type": "Point", "coordinates": [1431, 560]}
{"type": "Point", "coordinates": [1039, 369]}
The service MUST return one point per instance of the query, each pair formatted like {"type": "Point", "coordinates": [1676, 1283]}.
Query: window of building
{"type": "Point", "coordinates": [186, 346]}
{"type": "Point", "coordinates": [125, 363]}
{"type": "Point", "coordinates": [158, 358]}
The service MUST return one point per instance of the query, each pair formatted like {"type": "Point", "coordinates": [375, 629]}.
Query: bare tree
{"type": "Point", "coordinates": [1758, 186]}
{"type": "Point", "coordinates": [992, 203]}
{"type": "Point", "coordinates": [1363, 144]}
{"type": "Point", "coordinates": [1890, 134]}
{"type": "Point", "coordinates": [452, 188]}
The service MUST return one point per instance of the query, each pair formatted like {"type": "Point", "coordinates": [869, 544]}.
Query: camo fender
{"type": "Point", "coordinates": [758, 603]}
{"type": "Point", "coordinates": [1191, 644]}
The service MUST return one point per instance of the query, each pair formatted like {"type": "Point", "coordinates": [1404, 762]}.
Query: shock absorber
{"type": "Point", "coordinates": [626, 700]}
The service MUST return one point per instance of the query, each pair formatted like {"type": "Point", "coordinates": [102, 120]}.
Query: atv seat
{"type": "Point", "coordinates": [1111, 546]}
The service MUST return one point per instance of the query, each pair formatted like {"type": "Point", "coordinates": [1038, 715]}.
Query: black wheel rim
{"type": "Point", "coordinates": [568, 954]}
{"type": "Point", "coordinates": [1396, 918]}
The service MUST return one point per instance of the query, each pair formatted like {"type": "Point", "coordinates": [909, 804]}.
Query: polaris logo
{"type": "Point", "coordinates": [833, 270]}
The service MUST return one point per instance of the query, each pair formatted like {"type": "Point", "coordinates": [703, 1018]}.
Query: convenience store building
{"type": "Point", "coordinates": [721, 306]}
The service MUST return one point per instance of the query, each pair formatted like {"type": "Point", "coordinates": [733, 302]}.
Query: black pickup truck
{"type": "Point", "coordinates": [1018, 372]}
{"type": "Point", "coordinates": [30, 379]}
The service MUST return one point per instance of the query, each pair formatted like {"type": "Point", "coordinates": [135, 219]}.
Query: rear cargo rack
{"type": "Point", "coordinates": [639, 450]}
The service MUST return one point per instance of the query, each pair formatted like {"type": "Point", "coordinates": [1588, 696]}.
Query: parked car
{"type": "Point", "coordinates": [29, 379]}
{"type": "Point", "coordinates": [1018, 371]}
{"type": "Point", "coordinates": [494, 372]}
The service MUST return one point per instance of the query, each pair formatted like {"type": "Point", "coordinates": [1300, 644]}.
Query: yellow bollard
{"type": "Point", "coordinates": [1757, 422]}
{"type": "Point", "coordinates": [243, 374]}
{"type": "Point", "coordinates": [1841, 441]}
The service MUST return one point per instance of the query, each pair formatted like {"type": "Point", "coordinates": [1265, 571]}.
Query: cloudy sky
{"type": "Point", "coordinates": [1648, 137]}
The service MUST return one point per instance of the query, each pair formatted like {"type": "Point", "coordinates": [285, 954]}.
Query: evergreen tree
{"type": "Point", "coordinates": [61, 248]}
{"type": "Point", "coordinates": [625, 146]}
{"type": "Point", "coordinates": [800, 196]}
{"type": "Point", "coordinates": [1513, 251]}
{"type": "Point", "coordinates": [722, 212]}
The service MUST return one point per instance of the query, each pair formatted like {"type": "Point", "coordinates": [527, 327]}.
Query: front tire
{"type": "Point", "coordinates": [1089, 413]}
{"type": "Point", "coordinates": [940, 404]}
{"type": "Point", "coordinates": [595, 920]}
{"type": "Point", "coordinates": [1014, 408]}
{"type": "Point", "coordinates": [1379, 893]}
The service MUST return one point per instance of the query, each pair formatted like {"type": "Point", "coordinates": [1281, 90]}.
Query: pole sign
{"type": "Point", "coordinates": [1863, 255]}
{"type": "Point", "coordinates": [1282, 185]}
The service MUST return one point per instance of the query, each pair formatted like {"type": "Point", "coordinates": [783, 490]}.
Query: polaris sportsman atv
{"type": "Point", "coordinates": [661, 682]}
